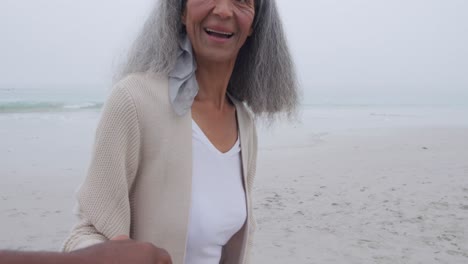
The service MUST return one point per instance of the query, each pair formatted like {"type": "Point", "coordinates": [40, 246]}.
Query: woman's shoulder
{"type": "Point", "coordinates": [145, 88]}
{"type": "Point", "coordinates": [142, 82]}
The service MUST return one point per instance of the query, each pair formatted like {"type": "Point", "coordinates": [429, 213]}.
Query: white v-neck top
{"type": "Point", "coordinates": [218, 207]}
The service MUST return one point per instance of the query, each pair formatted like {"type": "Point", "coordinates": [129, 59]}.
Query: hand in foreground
{"type": "Point", "coordinates": [111, 252]}
{"type": "Point", "coordinates": [123, 250]}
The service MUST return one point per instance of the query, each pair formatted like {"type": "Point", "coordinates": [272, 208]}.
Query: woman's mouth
{"type": "Point", "coordinates": [218, 34]}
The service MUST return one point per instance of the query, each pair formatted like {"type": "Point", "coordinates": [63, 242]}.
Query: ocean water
{"type": "Point", "coordinates": [43, 100]}
{"type": "Point", "coordinates": [76, 100]}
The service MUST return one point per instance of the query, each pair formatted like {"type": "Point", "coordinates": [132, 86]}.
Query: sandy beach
{"type": "Point", "coordinates": [346, 185]}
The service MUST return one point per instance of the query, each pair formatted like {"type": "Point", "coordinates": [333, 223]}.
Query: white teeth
{"type": "Point", "coordinates": [219, 32]}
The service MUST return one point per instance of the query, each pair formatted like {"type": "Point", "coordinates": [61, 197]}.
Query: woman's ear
{"type": "Point", "coordinates": [250, 31]}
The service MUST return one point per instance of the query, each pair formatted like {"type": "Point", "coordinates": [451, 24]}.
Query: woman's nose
{"type": "Point", "coordinates": [223, 8]}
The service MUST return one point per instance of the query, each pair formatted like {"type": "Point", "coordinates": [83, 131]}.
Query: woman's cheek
{"type": "Point", "coordinates": [246, 20]}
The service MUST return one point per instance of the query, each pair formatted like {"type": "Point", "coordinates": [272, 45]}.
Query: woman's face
{"type": "Point", "coordinates": [218, 28]}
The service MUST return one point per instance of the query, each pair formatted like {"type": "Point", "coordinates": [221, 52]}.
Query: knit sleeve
{"type": "Point", "coordinates": [103, 198]}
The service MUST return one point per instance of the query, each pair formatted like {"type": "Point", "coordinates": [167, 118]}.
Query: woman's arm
{"type": "Point", "coordinates": [103, 198]}
{"type": "Point", "coordinates": [83, 235]}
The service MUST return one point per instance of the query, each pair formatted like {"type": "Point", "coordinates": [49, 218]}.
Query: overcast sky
{"type": "Point", "coordinates": [346, 47]}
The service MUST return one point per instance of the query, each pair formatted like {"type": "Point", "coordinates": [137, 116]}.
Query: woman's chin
{"type": "Point", "coordinates": [216, 57]}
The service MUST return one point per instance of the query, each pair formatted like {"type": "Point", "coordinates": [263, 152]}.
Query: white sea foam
{"type": "Point", "coordinates": [43, 100]}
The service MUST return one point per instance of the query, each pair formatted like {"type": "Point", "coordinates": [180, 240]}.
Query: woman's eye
{"type": "Point", "coordinates": [245, 2]}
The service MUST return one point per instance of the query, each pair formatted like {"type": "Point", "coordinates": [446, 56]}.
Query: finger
{"type": "Point", "coordinates": [120, 237]}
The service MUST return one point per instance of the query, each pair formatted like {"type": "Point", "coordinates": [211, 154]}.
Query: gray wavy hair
{"type": "Point", "coordinates": [263, 76]}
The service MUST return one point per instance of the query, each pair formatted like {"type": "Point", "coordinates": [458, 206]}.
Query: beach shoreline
{"type": "Point", "coordinates": [343, 186]}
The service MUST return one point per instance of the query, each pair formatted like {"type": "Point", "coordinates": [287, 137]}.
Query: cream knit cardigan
{"type": "Point", "coordinates": [139, 180]}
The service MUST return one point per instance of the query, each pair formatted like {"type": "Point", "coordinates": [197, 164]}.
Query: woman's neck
{"type": "Point", "coordinates": [213, 80]}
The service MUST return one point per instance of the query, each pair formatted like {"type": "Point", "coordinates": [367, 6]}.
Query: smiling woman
{"type": "Point", "coordinates": [176, 148]}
